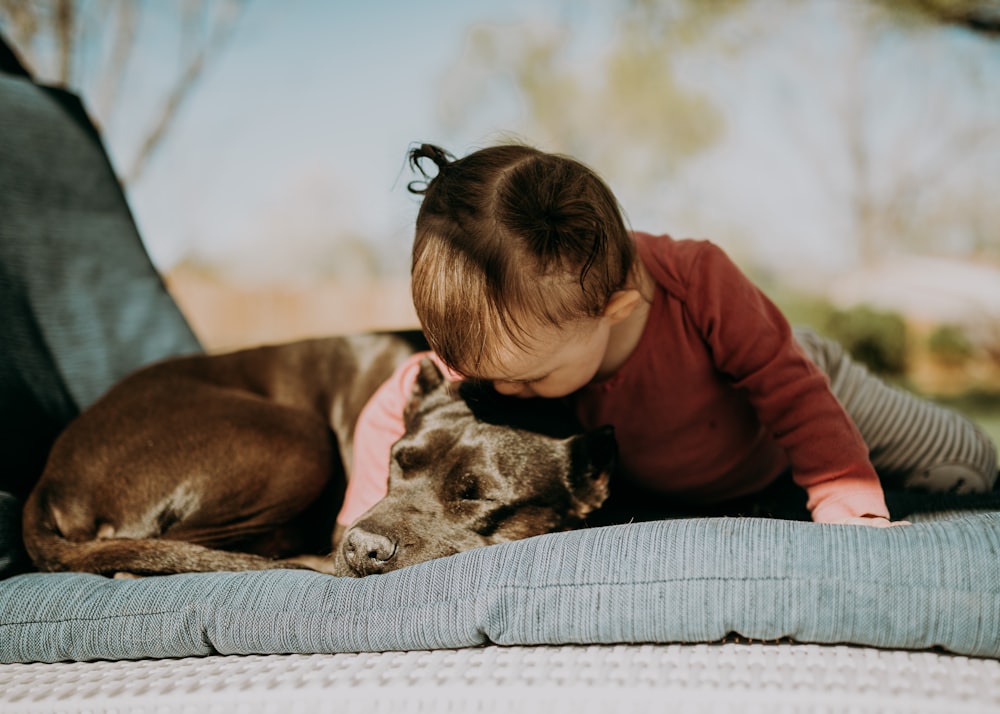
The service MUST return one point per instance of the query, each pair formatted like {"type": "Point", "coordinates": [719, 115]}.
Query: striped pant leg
{"type": "Point", "coordinates": [913, 443]}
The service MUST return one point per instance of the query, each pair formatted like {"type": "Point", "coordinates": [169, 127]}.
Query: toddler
{"type": "Point", "coordinates": [524, 275]}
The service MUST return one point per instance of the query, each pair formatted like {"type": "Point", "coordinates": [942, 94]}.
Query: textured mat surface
{"type": "Point", "coordinates": [598, 678]}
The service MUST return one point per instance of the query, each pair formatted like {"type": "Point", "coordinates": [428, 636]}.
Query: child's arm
{"type": "Point", "coordinates": [752, 342]}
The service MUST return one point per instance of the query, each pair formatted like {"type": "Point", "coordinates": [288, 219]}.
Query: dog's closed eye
{"type": "Point", "coordinates": [466, 486]}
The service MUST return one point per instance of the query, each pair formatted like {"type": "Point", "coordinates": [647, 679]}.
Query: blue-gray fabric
{"type": "Point", "coordinates": [692, 580]}
{"type": "Point", "coordinates": [80, 303]}
{"type": "Point", "coordinates": [70, 252]}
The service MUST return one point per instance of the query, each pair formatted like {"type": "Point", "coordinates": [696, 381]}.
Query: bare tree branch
{"type": "Point", "coordinates": [65, 26]}
{"type": "Point", "coordinates": [982, 16]}
{"type": "Point", "coordinates": [220, 34]}
{"type": "Point", "coordinates": [127, 19]}
{"type": "Point", "coordinates": [979, 16]}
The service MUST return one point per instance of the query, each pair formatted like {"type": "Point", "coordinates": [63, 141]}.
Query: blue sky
{"type": "Point", "coordinates": [329, 94]}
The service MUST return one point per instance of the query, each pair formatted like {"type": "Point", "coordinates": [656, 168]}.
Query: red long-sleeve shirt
{"type": "Point", "coordinates": [716, 400]}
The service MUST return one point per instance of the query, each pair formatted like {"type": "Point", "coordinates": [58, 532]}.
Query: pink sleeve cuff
{"type": "Point", "coordinates": [839, 499]}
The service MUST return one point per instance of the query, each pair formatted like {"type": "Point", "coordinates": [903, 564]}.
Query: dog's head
{"type": "Point", "coordinates": [476, 468]}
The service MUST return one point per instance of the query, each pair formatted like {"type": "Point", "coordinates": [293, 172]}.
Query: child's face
{"type": "Point", "coordinates": [558, 360]}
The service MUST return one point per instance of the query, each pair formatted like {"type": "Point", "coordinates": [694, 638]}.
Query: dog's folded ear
{"type": "Point", "coordinates": [594, 456]}
{"type": "Point", "coordinates": [430, 381]}
{"type": "Point", "coordinates": [429, 378]}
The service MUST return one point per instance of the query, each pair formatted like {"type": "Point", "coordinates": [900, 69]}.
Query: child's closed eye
{"type": "Point", "coordinates": [528, 380]}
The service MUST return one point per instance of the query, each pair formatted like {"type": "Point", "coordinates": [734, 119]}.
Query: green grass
{"type": "Point", "coordinates": [991, 425]}
{"type": "Point", "coordinates": [981, 406]}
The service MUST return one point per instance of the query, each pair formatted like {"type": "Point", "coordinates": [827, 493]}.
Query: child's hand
{"type": "Point", "coordinates": [872, 522]}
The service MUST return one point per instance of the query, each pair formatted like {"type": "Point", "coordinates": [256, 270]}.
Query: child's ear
{"type": "Point", "coordinates": [621, 304]}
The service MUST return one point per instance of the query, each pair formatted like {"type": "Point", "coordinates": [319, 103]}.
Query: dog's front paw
{"type": "Point", "coordinates": [321, 564]}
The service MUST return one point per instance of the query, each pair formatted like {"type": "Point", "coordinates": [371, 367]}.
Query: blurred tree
{"type": "Point", "coordinates": [880, 113]}
{"type": "Point", "coordinates": [971, 208]}
{"type": "Point", "coordinates": [875, 338]}
{"type": "Point", "coordinates": [58, 39]}
{"type": "Point", "coordinates": [949, 345]}
{"type": "Point", "coordinates": [584, 106]}
{"type": "Point", "coordinates": [918, 120]}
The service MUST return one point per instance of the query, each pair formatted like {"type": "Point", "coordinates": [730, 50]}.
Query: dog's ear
{"type": "Point", "coordinates": [429, 381]}
{"type": "Point", "coordinates": [429, 378]}
{"type": "Point", "coordinates": [594, 456]}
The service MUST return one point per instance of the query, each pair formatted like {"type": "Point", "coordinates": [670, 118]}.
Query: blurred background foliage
{"type": "Point", "coordinates": [845, 152]}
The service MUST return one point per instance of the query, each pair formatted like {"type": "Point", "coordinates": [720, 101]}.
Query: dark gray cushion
{"type": "Point", "coordinates": [80, 303]}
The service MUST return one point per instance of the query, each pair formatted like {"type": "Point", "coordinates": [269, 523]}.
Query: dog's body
{"type": "Point", "coordinates": [240, 461]}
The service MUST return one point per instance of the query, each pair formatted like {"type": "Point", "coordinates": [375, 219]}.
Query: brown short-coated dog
{"type": "Point", "coordinates": [240, 461]}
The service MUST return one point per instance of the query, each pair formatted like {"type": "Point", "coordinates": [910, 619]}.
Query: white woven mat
{"type": "Point", "coordinates": [724, 677]}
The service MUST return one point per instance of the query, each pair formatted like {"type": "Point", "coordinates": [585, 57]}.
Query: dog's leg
{"type": "Point", "coordinates": [159, 556]}
{"type": "Point", "coordinates": [331, 564]}
{"type": "Point", "coordinates": [109, 555]}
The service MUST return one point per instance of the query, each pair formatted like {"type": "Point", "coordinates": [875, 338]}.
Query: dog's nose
{"type": "Point", "coordinates": [368, 553]}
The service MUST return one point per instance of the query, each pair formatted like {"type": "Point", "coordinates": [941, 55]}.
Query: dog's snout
{"type": "Point", "coordinates": [368, 553]}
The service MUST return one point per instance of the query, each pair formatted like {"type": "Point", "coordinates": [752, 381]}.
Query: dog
{"type": "Point", "coordinates": [240, 461]}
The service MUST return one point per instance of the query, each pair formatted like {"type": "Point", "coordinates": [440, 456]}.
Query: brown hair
{"type": "Point", "coordinates": [509, 238]}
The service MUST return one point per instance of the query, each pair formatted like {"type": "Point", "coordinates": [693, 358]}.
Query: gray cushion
{"type": "Point", "coordinates": [692, 580]}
